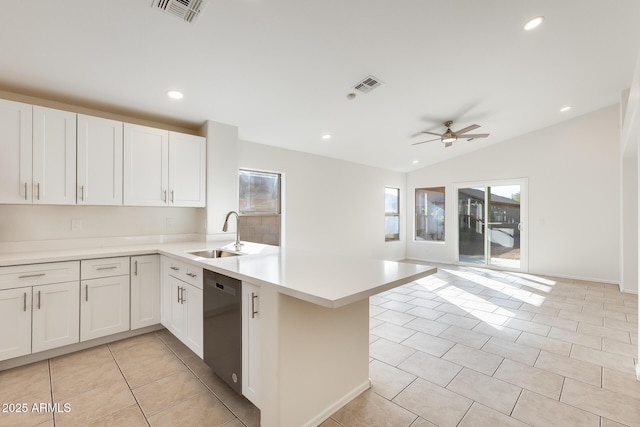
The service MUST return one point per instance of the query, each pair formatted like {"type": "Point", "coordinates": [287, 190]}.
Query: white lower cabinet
{"type": "Point", "coordinates": [55, 315]}
{"type": "Point", "coordinates": [251, 342]}
{"type": "Point", "coordinates": [38, 307]}
{"type": "Point", "coordinates": [104, 301]}
{"type": "Point", "coordinates": [182, 303]}
{"type": "Point", "coordinates": [15, 318]}
{"type": "Point", "coordinates": [145, 291]}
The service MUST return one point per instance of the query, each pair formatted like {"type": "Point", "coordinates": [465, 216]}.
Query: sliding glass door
{"type": "Point", "coordinates": [490, 224]}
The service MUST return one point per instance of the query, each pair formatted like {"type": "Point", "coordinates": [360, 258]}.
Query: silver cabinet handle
{"type": "Point", "coordinates": [25, 191]}
{"type": "Point", "coordinates": [174, 268]}
{"type": "Point", "coordinates": [164, 196]}
{"type": "Point", "coordinates": [171, 196]}
{"type": "Point", "coordinates": [86, 292]}
{"type": "Point", "coordinates": [179, 288]}
{"type": "Point", "coordinates": [135, 269]}
{"type": "Point", "coordinates": [38, 300]}
{"type": "Point", "coordinates": [26, 276]}
{"type": "Point", "coordinates": [38, 188]}
{"type": "Point", "coordinates": [253, 305]}
{"type": "Point", "coordinates": [25, 301]}
{"type": "Point", "coordinates": [192, 275]}
{"type": "Point", "coordinates": [82, 193]}
{"type": "Point", "coordinates": [183, 298]}
{"type": "Point", "coordinates": [107, 268]}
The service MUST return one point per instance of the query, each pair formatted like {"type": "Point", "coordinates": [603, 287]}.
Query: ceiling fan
{"type": "Point", "coordinates": [449, 136]}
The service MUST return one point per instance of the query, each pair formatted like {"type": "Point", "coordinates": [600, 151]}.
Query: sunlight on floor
{"type": "Point", "coordinates": [525, 288]}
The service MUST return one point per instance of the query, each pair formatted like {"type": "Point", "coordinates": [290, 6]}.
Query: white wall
{"type": "Point", "coordinates": [330, 204]}
{"type": "Point", "coordinates": [629, 141]}
{"type": "Point", "coordinates": [574, 195]}
{"type": "Point", "coordinates": [222, 177]}
{"type": "Point", "coordinates": [21, 223]}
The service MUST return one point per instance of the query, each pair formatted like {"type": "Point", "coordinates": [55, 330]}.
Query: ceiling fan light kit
{"type": "Point", "coordinates": [449, 136]}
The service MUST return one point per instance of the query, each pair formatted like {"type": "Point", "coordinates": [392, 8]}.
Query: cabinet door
{"type": "Point", "coordinates": [99, 161]}
{"type": "Point", "coordinates": [16, 137]}
{"type": "Point", "coordinates": [146, 166]}
{"type": "Point", "coordinates": [192, 301]}
{"type": "Point", "coordinates": [54, 157]}
{"type": "Point", "coordinates": [250, 341]}
{"type": "Point", "coordinates": [174, 316]}
{"type": "Point", "coordinates": [104, 307]}
{"type": "Point", "coordinates": [187, 170]}
{"type": "Point", "coordinates": [15, 318]}
{"type": "Point", "coordinates": [56, 315]}
{"type": "Point", "coordinates": [145, 291]}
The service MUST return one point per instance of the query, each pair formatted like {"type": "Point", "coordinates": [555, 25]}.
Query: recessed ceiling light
{"type": "Point", "coordinates": [533, 23]}
{"type": "Point", "coordinates": [567, 108]}
{"type": "Point", "coordinates": [326, 136]}
{"type": "Point", "coordinates": [175, 94]}
{"type": "Point", "coordinates": [415, 162]}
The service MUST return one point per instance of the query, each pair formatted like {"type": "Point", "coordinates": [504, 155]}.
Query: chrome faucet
{"type": "Point", "coordinates": [238, 245]}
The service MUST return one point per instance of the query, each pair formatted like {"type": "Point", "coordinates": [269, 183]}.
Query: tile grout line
{"type": "Point", "coordinates": [53, 417]}
{"type": "Point", "coordinates": [128, 385]}
{"type": "Point", "coordinates": [205, 385]}
{"type": "Point", "coordinates": [522, 389]}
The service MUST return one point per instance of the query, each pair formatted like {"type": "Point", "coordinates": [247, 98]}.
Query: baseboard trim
{"type": "Point", "coordinates": [533, 273]}
{"type": "Point", "coordinates": [60, 351]}
{"type": "Point", "coordinates": [325, 414]}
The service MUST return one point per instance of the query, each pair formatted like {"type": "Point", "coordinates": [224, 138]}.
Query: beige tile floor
{"type": "Point", "coordinates": [475, 347]}
{"type": "Point", "coordinates": [465, 347]}
{"type": "Point", "coordinates": [151, 379]}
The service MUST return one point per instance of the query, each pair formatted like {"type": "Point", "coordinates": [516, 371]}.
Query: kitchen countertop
{"type": "Point", "coordinates": [321, 278]}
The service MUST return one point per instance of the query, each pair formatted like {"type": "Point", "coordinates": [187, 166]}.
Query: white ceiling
{"type": "Point", "coordinates": [280, 69]}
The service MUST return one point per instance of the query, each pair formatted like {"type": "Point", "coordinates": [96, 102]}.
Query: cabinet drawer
{"type": "Point", "coordinates": [39, 274]}
{"type": "Point", "coordinates": [184, 271]}
{"type": "Point", "coordinates": [104, 267]}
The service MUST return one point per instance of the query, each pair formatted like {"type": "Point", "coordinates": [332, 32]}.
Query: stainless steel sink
{"type": "Point", "coordinates": [214, 253]}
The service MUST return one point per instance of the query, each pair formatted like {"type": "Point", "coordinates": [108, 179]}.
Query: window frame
{"type": "Point", "coordinates": [279, 201]}
{"type": "Point", "coordinates": [434, 236]}
{"type": "Point", "coordinates": [396, 237]}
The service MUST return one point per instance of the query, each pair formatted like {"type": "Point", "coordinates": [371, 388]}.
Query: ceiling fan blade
{"type": "Point", "coordinates": [473, 135]}
{"type": "Point", "coordinates": [467, 129]}
{"type": "Point", "coordinates": [432, 133]}
{"type": "Point", "coordinates": [437, 139]}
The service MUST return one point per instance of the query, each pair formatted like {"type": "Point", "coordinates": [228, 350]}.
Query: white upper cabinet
{"type": "Point", "coordinates": [54, 157]}
{"type": "Point", "coordinates": [163, 168]}
{"type": "Point", "coordinates": [99, 161]}
{"type": "Point", "coordinates": [187, 170]}
{"type": "Point", "coordinates": [58, 157]}
{"type": "Point", "coordinates": [146, 166]}
{"type": "Point", "coordinates": [39, 155]}
{"type": "Point", "coordinates": [16, 142]}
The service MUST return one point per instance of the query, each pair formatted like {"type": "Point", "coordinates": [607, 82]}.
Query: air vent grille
{"type": "Point", "coordinates": [367, 84]}
{"type": "Point", "coordinates": [187, 10]}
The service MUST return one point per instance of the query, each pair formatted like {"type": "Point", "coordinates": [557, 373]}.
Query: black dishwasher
{"type": "Point", "coordinates": [222, 328]}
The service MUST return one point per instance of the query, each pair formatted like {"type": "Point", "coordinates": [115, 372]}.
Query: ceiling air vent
{"type": "Point", "coordinates": [368, 84]}
{"type": "Point", "coordinates": [187, 10]}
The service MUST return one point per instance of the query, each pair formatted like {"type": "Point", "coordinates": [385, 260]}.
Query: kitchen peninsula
{"type": "Point", "coordinates": [310, 342]}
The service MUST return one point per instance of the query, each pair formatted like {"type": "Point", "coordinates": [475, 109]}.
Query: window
{"type": "Point", "coordinates": [392, 214]}
{"type": "Point", "coordinates": [260, 207]}
{"type": "Point", "coordinates": [259, 192]}
{"type": "Point", "coordinates": [430, 214]}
